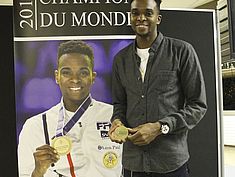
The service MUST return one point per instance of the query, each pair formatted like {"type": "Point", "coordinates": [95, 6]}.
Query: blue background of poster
{"type": "Point", "coordinates": [35, 63]}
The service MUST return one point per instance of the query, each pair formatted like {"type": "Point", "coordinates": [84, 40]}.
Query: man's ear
{"type": "Point", "coordinates": [56, 73]}
{"type": "Point", "coordinates": [94, 74]}
{"type": "Point", "coordinates": [159, 19]}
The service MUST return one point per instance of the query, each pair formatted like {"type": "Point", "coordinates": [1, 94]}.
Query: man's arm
{"type": "Point", "coordinates": [118, 95]}
{"type": "Point", "coordinates": [145, 133]}
{"type": "Point", "coordinates": [29, 155]}
{"type": "Point", "coordinates": [192, 83]}
{"type": "Point", "coordinates": [193, 86]}
{"type": "Point", "coordinates": [44, 157]}
{"type": "Point", "coordinates": [119, 103]}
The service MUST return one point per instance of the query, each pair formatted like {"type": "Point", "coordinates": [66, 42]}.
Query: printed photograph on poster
{"type": "Point", "coordinates": [35, 62]}
{"type": "Point", "coordinates": [45, 121]}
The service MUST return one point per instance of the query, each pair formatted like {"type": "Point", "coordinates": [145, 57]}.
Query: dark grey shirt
{"type": "Point", "coordinates": [173, 92]}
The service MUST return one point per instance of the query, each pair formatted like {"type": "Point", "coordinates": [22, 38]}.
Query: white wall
{"type": "Point", "coordinates": [229, 127]}
{"type": "Point", "coordinates": [6, 2]}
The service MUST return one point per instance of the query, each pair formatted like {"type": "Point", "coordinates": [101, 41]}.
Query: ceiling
{"type": "Point", "coordinates": [165, 3]}
{"type": "Point", "coordinates": [183, 3]}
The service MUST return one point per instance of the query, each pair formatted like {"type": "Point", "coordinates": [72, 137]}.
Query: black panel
{"type": "Point", "coordinates": [7, 97]}
{"type": "Point", "coordinates": [197, 28]}
{"type": "Point", "coordinates": [43, 18]}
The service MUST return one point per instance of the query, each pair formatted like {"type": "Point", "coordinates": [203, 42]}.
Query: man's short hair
{"type": "Point", "coordinates": [76, 46]}
{"type": "Point", "coordinates": [158, 2]}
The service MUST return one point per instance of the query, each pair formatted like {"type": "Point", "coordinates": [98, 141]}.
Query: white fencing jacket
{"type": "Point", "coordinates": [93, 154]}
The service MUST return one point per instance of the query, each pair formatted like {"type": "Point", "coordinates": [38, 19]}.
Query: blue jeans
{"type": "Point", "coordinates": [183, 171]}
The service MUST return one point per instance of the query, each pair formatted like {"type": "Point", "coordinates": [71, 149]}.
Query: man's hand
{"type": "Point", "coordinates": [44, 157]}
{"type": "Point", "coordinates": [144, 134]}
{"type": "Point", "coordinates": [116, 123]}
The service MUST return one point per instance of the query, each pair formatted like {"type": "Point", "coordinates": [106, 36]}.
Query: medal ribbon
{"type": "Point", "coordinates": [63, 130]}
{"type": "Point", "coordinates": [71, 165]}
{"type": "Point", "coordinates": [78, 114]}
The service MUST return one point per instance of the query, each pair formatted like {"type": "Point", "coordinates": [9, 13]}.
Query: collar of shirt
{"type": "Point", "coordinates": [68, 114]}
{"type": "Point", "coordinates": [155, 44]}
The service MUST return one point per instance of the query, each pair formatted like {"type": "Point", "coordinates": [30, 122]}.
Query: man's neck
{"type": "Point", "coordinates": [72, 106]}
{"type": "Point", "coordinates": [145, 42]}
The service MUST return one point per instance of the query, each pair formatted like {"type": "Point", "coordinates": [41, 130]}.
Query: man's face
{"type": "Point", "coordinates": [75, 77]}
{"type": "Point", "coordinates": [145, 17]}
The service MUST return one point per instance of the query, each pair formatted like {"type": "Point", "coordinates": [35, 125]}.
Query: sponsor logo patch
{"type": "Point", "coordinates": [110, 159]}
{"type": "Point", "coordinates": [113, 147]}
{"type": "Point", "coordinates": [103, 128]}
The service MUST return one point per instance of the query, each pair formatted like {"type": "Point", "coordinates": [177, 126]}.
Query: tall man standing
{"type": "Point", "coordinates": [158, 94]}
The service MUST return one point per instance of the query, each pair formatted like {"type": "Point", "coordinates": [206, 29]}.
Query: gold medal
{"type": "Point", "coordinates": [62, 144]}
{"type": "Point", "coordinates": [110, 159]}
{"type": "Point", "coordinates": [121, 132]}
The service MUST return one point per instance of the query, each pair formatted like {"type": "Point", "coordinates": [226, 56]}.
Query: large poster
{"type": "Point", "coordinates": [40, 25]}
